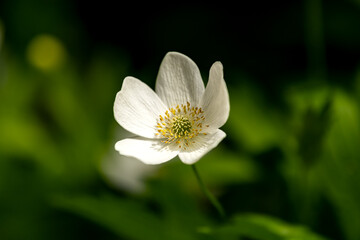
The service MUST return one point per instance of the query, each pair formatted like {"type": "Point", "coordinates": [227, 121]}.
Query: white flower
{"type": "Point", "coordinates": [125, 173]}
{"type": "Point", "coordinates": [181, 118]}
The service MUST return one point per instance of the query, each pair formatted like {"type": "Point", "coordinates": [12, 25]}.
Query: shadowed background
{"type": "Point", "coordinates": [288, 167]}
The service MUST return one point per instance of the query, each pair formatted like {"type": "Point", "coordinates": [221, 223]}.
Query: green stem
{"type": "Point", "coordinates": [208, 194]}
{"type": "Point", "coordinates": [315, 39]}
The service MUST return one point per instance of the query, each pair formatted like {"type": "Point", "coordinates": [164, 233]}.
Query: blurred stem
{"type": "Point", "coordinates": [315, 39]}
{"type": "Point", "coordinates": [208, 194]}
{"type": "Point", "coordinates": [315, 46]}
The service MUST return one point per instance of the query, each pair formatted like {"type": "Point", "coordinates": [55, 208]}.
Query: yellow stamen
{"type": "Point", "coordinates": [181, 123]}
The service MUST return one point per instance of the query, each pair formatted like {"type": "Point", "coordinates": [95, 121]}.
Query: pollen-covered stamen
{"type": "Point", "coordinates": [181, 124]}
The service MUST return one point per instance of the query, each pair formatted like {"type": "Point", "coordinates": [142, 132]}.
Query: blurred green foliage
{"type": "Point", "coordinates": [287, 169]}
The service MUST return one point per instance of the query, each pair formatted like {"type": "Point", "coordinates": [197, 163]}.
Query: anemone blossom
{"type": "Point", "coordinates": [181, 118]}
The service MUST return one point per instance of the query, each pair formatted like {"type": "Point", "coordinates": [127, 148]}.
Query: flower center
{"type": "Point", "coordinates": [180, 125]}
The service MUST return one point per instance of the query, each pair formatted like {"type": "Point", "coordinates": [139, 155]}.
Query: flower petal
{"type": "Point", "coordinates": [202, 146]}
{"type": "Point", "coordinates": [179, 80]}
{"type": "Point", "coordinates": [127, 173]}
{"type": "Point", "coordinates": [215, 101]}
{"type": "Point", "coordinates": [149, 151]}
{"type": "Point", "coordinates": [137, 108]}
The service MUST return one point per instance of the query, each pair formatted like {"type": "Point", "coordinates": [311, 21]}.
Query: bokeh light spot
{"type": "Point", "coordinates": [46, 52]}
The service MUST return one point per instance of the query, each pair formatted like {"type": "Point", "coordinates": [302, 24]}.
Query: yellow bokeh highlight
{"type": "Point", "coordinates": [46, 52]}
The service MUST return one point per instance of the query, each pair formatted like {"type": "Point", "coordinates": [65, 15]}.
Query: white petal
{"type": "Point", "coordinates": [201, 146]}
{"type": "Point", "coordinates": [149, 151]}
{"type": "Point", "coordinates": [179, 81]}
{"type": "Point", "coordinates": [215, 102]}
{"type": "Point", "coordinates": [137, 108]}
{"type": "Point", "coordinates": [127, 173]}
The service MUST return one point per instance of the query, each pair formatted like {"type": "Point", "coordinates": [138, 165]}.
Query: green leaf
{"type": "Point", "coordinates": [340, 163]}
{"type": "Point", "coordinates": [262, 227]}
{"type": "Point", "coordinates": [252, 123]}
{"type": "Point", "coordinates": [127, 219]}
